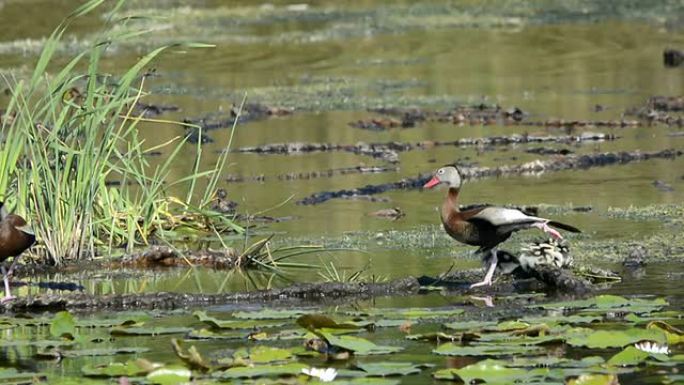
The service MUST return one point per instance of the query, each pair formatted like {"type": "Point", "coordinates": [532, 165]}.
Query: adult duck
{"type": "Point", "coordinates": [16, 237]}
{"type": "Point", "coordinates": [486, 226]}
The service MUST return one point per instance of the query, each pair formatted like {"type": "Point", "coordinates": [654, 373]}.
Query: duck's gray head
{"type": "Point", "coordinates": [447, 175]}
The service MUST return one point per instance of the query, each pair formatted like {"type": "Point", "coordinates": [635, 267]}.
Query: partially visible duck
{"type": "Point", "coordinates": [16, 237]}
{"type": "Point", "coordinates": [553, 252]}
{"type": "Point", "coordinates": [486, 226]}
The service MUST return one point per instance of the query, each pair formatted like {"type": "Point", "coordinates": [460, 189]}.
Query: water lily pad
{"type": "Point", "coordinates": [602, 339]}
{"type": "Point", "coordinates": [320, 321]}
{"type": "Point", "coordinates": [421, 313]}
{"type": "Point", "coordinates": [674, 335]}
{"type": "Point", "coordinates": [442, 337]}
{"type": "Point", "coordinates": [384, 369]}
{"type": "Point", "coordinates": [209, 334]}
{"type": "Point", "coordinates": [279, 336]}
{"type": "Point", "coordinates": [12, 376]}
{"type": "Point", "coordinates": [489, 371]}
{"type": "Point", "coordinates": [357, 345]}
{"type": "Point", "coordinates": [630, 356]}
{"type": "Point", "coordinates": [264, 354]}
{"type": "Point", "coordinates": [290, 369]}
{"type": "Point", "coordinates": [130, 320]}
{"type": "Point", "coordinates": [564, 320]}
{"type": "Point", "coordinates": [63, 325]}
{"type": "Point", "coordinates": [468, 325]}
{"type": "Point", "coordinates": [594, 379]}
{"type": "Point", "coordinates": [607, 302]}
{"type": "Point", "coordinates": [148, 331]}
{"type": "Point", "coordinates": [138, 367]}
{"type": "Point", "coordinates": [507, 326]}
{"type": "Point", "coordinates": [235, 324]}
{"type": "Point", "coordinates": [170, 375]}
{"type": "Point", "coordinates": [60, 353]}
{"type": "Point", "coordinates": [452, 349]}
{"type": "Point", "coordinates": [270, 314]}
{"type": "Point", "coordinates": [191, 356]}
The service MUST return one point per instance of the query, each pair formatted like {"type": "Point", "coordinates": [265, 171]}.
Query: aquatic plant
{"type": "Point", "coordinates": [66, 132]}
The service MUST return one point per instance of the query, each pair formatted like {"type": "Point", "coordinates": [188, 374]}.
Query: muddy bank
{"type": "Point", "coordinates": [389, 150]}
{"type": "Point", "coordinates": [298, 293]}
{"type": "Point", "coordinates": [660, 109]}
{"type": "Point", "coordinates": [537, 166]}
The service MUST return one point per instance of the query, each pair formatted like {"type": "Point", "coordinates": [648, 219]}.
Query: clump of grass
{"type": "Point", "coordinates": [67, 131]}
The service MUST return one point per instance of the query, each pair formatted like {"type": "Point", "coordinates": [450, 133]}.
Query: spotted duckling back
{"type": "Point", "coordinates": [549, 253]}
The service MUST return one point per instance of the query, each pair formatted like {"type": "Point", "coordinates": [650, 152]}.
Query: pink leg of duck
{"type": "Point", "coordinates": [543, 226]}
{"type": "Point", "coordinates": [487, 281]}
{"type": "Point", "coordinates": [5, 278]}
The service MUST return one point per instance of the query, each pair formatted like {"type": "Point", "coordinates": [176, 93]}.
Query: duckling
{"type": "Point", "coordinates": [16, 236]}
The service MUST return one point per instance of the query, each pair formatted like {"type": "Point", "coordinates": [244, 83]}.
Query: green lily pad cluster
{"type": "Point", "coordinates": [608, 336]}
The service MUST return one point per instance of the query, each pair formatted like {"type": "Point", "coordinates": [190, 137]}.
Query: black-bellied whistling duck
{"type": "Point", "coordinates": [15, 237]}
{"type": "Point", "coordinates": [486, 226]}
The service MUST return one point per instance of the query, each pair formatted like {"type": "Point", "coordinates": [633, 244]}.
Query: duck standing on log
{"type": "Point", "coordinates": [16, 236]}
{"type": "Point", "coordinates": [485, 226]}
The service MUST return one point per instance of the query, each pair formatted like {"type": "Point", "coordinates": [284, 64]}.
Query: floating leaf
{"type": "Point", "coordinates": [111, 322]}
{"type": "Point", "coordinates": [564, 320]}
{"type": "Point", "coordinates": [63, 325]}
{"type": "Point", "coordinates": [263, 354]}
{"type": "Point", "coordinates": [674, 335]}
{"type": "Point", "coordinates": [630, 356]}
{"type": "Point", "coordinates": [191, 357]}
{"type": "Point", "coordinates": [59, 353]}
{"type": "Point", "coordinates": [291, 369]}
{"type": "Point", "coordinates": [594, 379]}
{"type": "Point", "coordinates": [12, 376]}
{"type": "Point", "coordinates": [489, 371]}
{"type": "Point", "coordinates": [384, 369]}
{"type": "Point", "coordinates": [468, 325]}
{"type": "Point", "coordinates": [208, 334]}
{"type": "Point", "coordinates": [421, 313]}
{"type": "Point", "coordinates": [270, 314]}
{"type": "Point", "coordinates": [442, 337]}
{"type": "Point", "coordinates": [320, 321]}
{"type": "Point", "coordinates": [151, 331]}
{"type": "Point", "coordinates": [357, 345]}
{"type": "Point", "coordinates": [607, 302]}
{"type": "Point", "coordinates": [235, 324]}
{"type": "Point", "coordinates": [279, 336]}
{"type": "Point", "coordinates": [451, 349]}
{"type": "Point", "coordinates": [117, 369]}
{"type": "Point", "coordinates": [170, 375]}
{"type": "Point", "coordinates": [508, 326]}
{"type": "Point", "coordinates": [602, 339]}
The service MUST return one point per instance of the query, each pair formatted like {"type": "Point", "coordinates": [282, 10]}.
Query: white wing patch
{"type": "Point", "coordinates": [499, 216]}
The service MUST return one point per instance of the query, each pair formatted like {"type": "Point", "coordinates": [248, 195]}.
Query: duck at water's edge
{"type": "Point", "coordinates": [16, 236]}
{"type": "Point", "coordinates": [486, 226]}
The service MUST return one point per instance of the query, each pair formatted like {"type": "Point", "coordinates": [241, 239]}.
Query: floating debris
{"type": "Point", "coordinates": [549, 151]}
{"type": "Point", "coordinates": [152, 110]}
{"type": "Point", "coordinates": [662, 186]}
{"type": "Point", "coordinates": [250, 112]}
{"type": "Point", "coordinates": [389, 150]}
{"type": "Point", "coordinates": [316, 174]}
{"type": "Point", "coordinates": [163, 256]}
{"type": "Point", "coordinates": [673, 57]}
{"type": "Point", "coordinates": [393, 213]}
{"type": "Point", "coordinates": [534, 167]}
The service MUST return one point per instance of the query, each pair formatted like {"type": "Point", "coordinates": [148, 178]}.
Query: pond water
{"type": "Point", "coordinates": [332, 62]}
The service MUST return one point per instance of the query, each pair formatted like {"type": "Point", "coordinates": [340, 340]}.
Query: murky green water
{"type": "Point", "coordinates": [331, 62]}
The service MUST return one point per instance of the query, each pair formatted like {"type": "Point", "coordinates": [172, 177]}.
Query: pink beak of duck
{"type": "Point", "coordinates": [432, 182]}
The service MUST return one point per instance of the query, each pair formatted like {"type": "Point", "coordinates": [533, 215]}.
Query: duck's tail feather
{"type": "Point", "coordinates": [563, 226]}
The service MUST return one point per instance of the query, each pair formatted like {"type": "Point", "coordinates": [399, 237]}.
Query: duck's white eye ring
{"type": "Point", "coordinates": [441, 171]}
